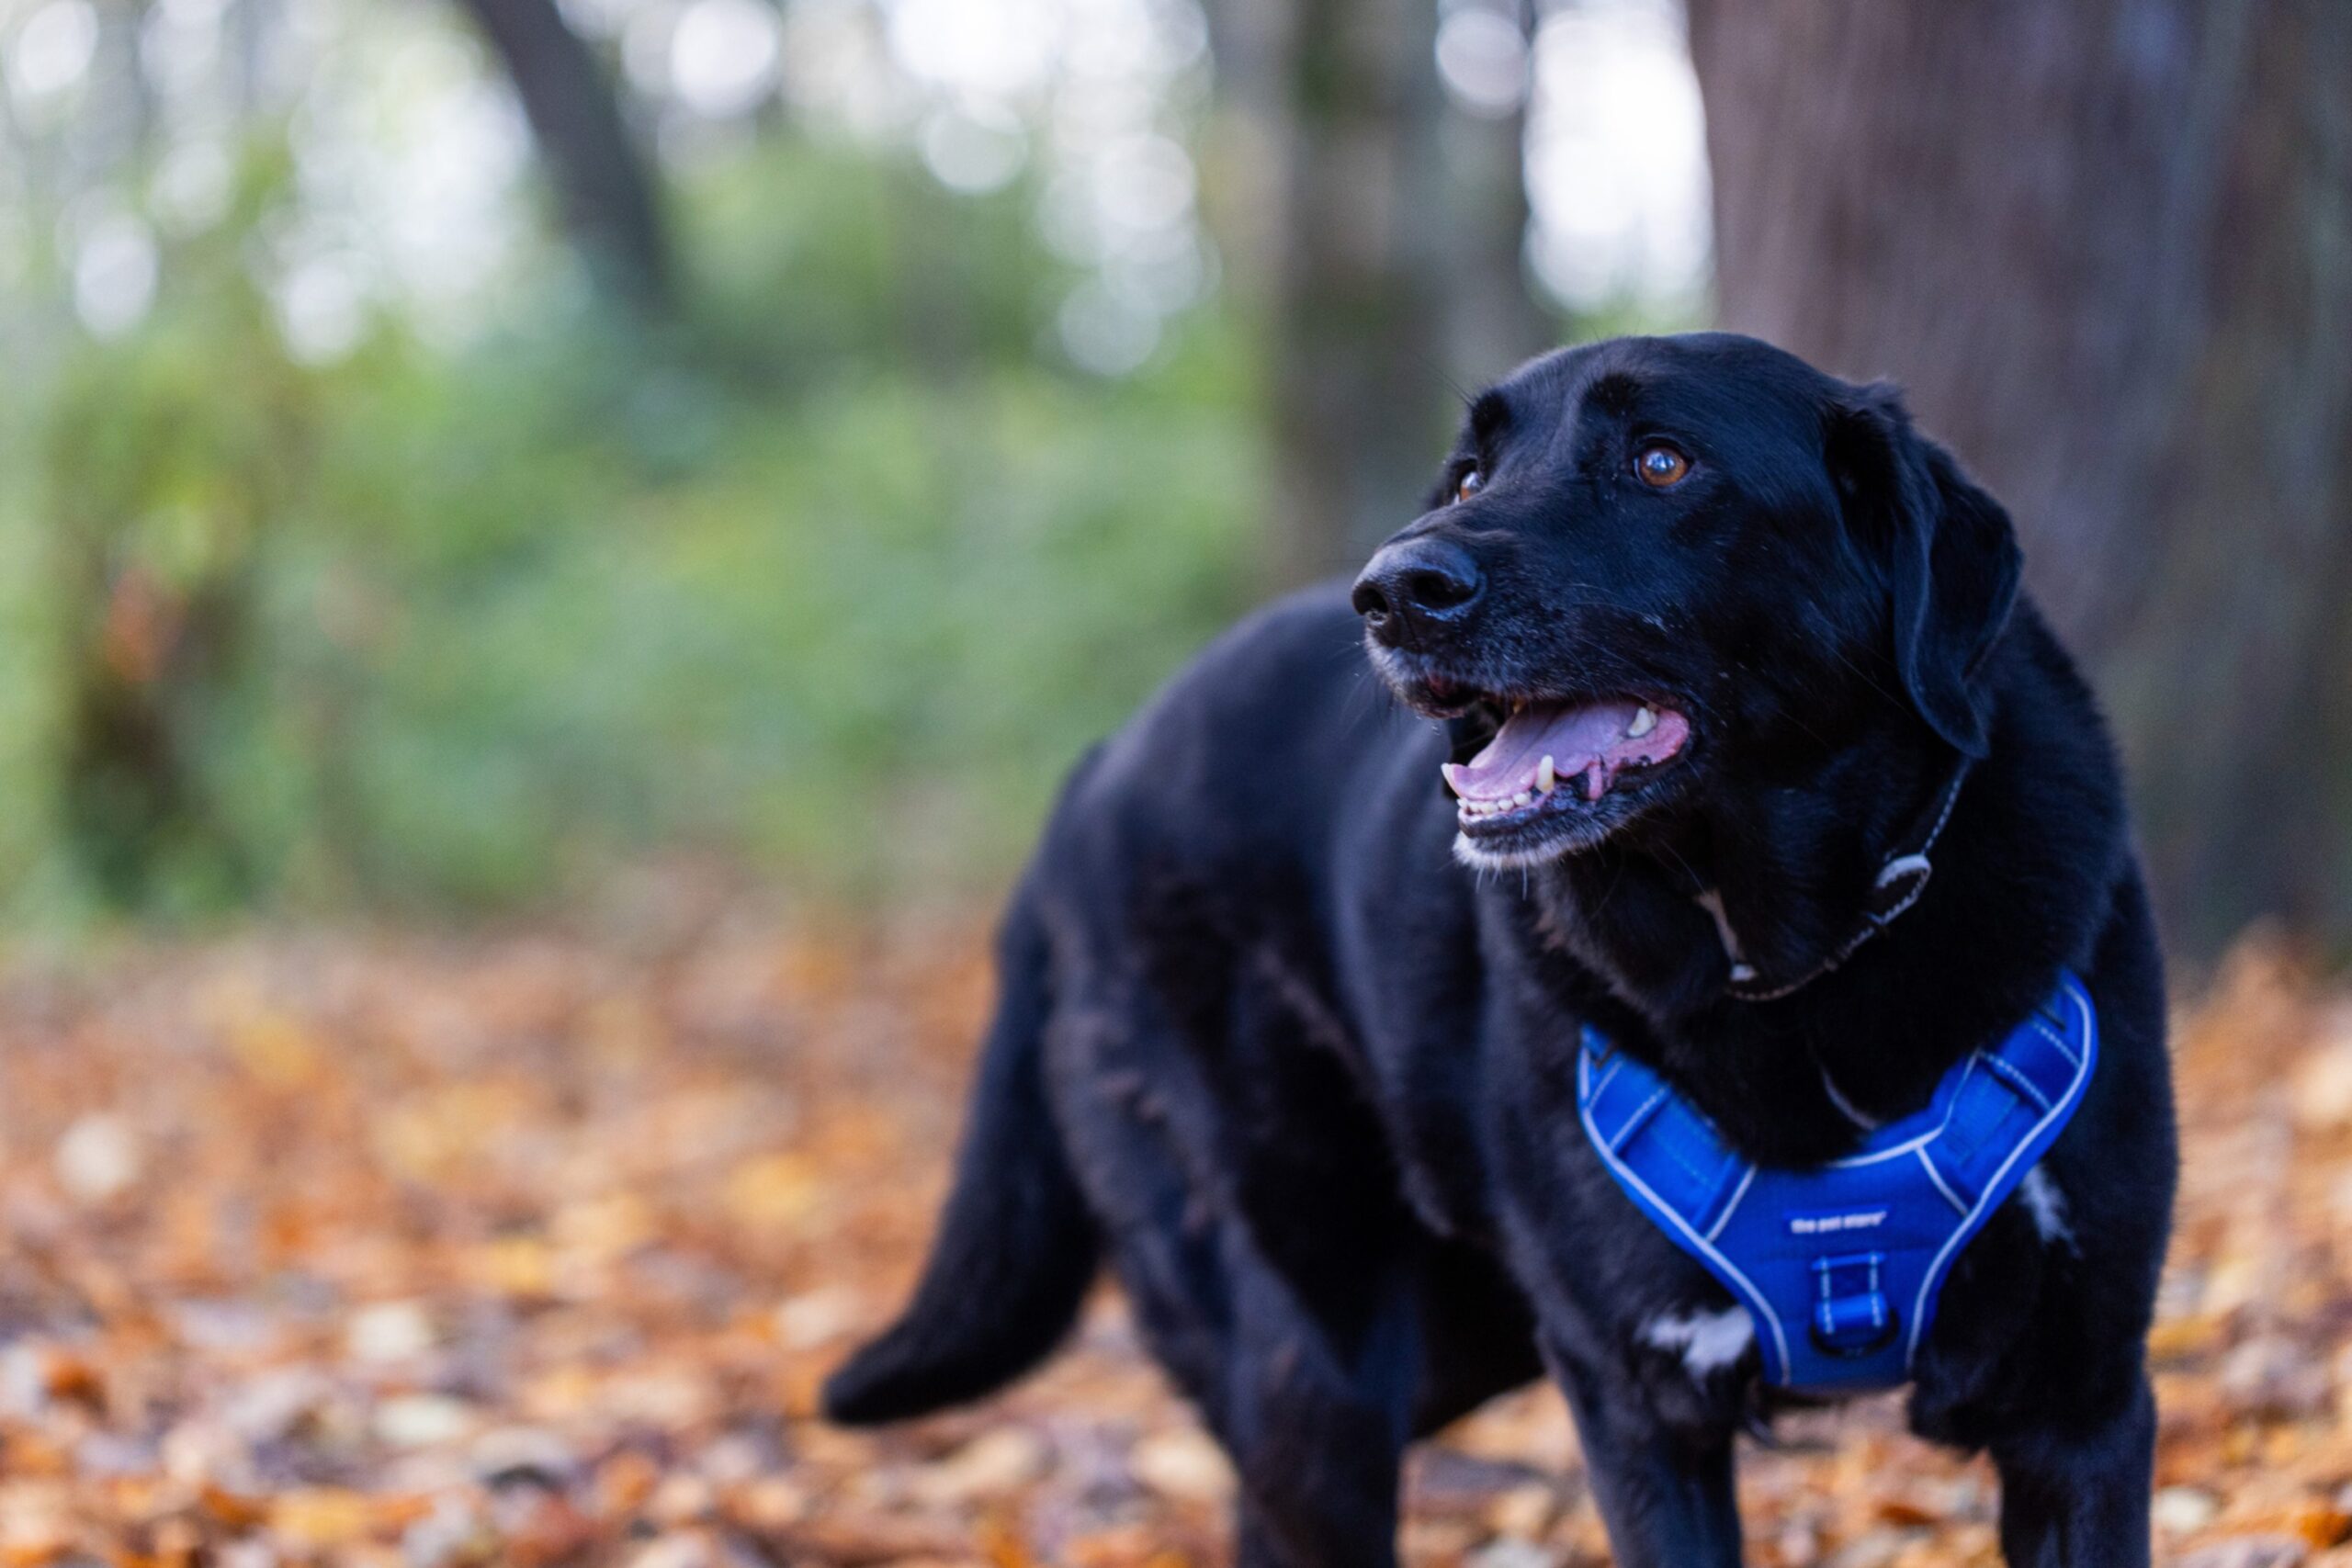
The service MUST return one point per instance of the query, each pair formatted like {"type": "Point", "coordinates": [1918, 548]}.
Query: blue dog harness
{"type": "Point", "coordinates": [1839, 1266]}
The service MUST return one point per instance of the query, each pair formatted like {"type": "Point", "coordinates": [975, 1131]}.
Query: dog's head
{"type": "Point", "coordinates": [1654, 560]}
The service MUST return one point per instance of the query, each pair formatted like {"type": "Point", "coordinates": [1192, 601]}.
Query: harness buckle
{"type": "Point", "coordinates": [1851, 1316]}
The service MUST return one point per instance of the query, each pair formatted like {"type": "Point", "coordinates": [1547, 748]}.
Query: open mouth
{"type": "Point", "coordinates": [1574, 765]}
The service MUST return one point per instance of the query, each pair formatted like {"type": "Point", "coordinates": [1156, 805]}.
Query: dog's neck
{"type": "Point", "coordinates": [1771, 878]}
{"type": "Point", "coordinates": [1786, 865]}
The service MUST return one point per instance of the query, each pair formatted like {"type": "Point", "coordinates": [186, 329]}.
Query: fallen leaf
{"type": "Point", "coordinates": [1184, 1464]}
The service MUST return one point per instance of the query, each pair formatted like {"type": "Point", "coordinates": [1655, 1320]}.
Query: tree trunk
{"type": "Point", "coordinates": [1378, 234]}
{"type": "Point", "coordinates": [604, 183]}
{"type": "Point", "coordinates": [1491, 321]}
{"type": "Point", "coordinates": [2108, 248]}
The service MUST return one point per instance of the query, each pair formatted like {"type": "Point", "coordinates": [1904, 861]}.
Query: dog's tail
{"type": "Point", "coordinates": [1016, 1249]}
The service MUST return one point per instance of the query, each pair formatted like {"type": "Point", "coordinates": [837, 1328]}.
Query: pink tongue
{"type": "Point", "coordinates": [1572, 737]}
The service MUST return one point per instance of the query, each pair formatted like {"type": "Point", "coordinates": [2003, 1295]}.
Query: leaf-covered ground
{"type": "Point", "coordinates": [531, 1248]}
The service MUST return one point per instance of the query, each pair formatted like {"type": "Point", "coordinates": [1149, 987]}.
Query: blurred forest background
{"type": "Point", "coordinates": [449, 451]}
{"type": "Point", "coordinates": [553, 551]}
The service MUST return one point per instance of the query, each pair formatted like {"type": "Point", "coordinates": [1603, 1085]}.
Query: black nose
{"type": "Point", "coordinates": [1415, 584]}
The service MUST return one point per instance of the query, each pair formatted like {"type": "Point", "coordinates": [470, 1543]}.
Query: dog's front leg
{"type": "Point", "coordinates": [2077, 1495]}
{"type": "Point", "coordinates": [1666, 1495]}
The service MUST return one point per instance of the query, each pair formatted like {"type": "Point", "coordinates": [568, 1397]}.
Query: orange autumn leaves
{"type": "Point", "coordinates": [531, 1248]}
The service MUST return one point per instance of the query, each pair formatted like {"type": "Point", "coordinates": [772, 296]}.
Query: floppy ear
{"type": "Point", "coordinates": [1950, 557]}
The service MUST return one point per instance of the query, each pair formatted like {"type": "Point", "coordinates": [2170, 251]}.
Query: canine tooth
{"type": "Point", "coordinates": [1644, 722]}
{"type": "Point", "coordinates": [1547, 777]}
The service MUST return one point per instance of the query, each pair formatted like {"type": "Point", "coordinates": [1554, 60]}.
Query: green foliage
{"type": "Point", "coordinates": [832, 576]}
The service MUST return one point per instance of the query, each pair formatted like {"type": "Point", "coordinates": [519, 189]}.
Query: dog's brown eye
{"type": "Point", "coordinates": [1471, 483]}
{"type": "Point", "coordinates": [1660, 466]}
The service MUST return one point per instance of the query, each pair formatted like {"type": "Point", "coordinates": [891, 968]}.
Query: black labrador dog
{"type": "Point", "coordinates": [1289, 1031]}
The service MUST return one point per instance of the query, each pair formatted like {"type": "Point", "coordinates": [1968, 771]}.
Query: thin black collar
{"type": "Point", "coordinates": [1902, 877]}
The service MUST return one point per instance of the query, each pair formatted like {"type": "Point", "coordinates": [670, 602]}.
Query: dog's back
{"type": "Point", "coordinates": [1171, 1041]}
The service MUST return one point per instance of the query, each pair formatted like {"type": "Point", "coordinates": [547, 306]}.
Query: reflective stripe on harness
{"type": "Point", "coordinates": [1841, 1264]}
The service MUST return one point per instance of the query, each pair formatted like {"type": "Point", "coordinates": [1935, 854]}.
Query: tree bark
{"type": "Point", "coordinates": [2108, 248]}
{"type": "Point", "coordinates": [1377, 234]}
{"type": "Point", "coordinates": [604, 184]}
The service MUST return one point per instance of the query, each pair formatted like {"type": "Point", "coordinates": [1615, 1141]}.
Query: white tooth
{"type": "Point", "coordinates": [1522, 797]}
{"type": "Point", "coordinates": [1547, 777]}
{"type": "Point", "coordinates": [1644, 722]}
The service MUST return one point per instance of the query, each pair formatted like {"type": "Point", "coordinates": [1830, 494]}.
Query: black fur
{"type": "Point", "coordinates": [1309, 1083]}
{"type": "Point", "coordinates": [1016, 1250]}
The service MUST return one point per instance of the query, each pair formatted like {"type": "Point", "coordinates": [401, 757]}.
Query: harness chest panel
{"type": "Point", "coordinates": [1839, 1265]}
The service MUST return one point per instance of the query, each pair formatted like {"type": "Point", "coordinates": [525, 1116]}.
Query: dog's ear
{"type": "Point", "coordinates": [1950, 557]}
